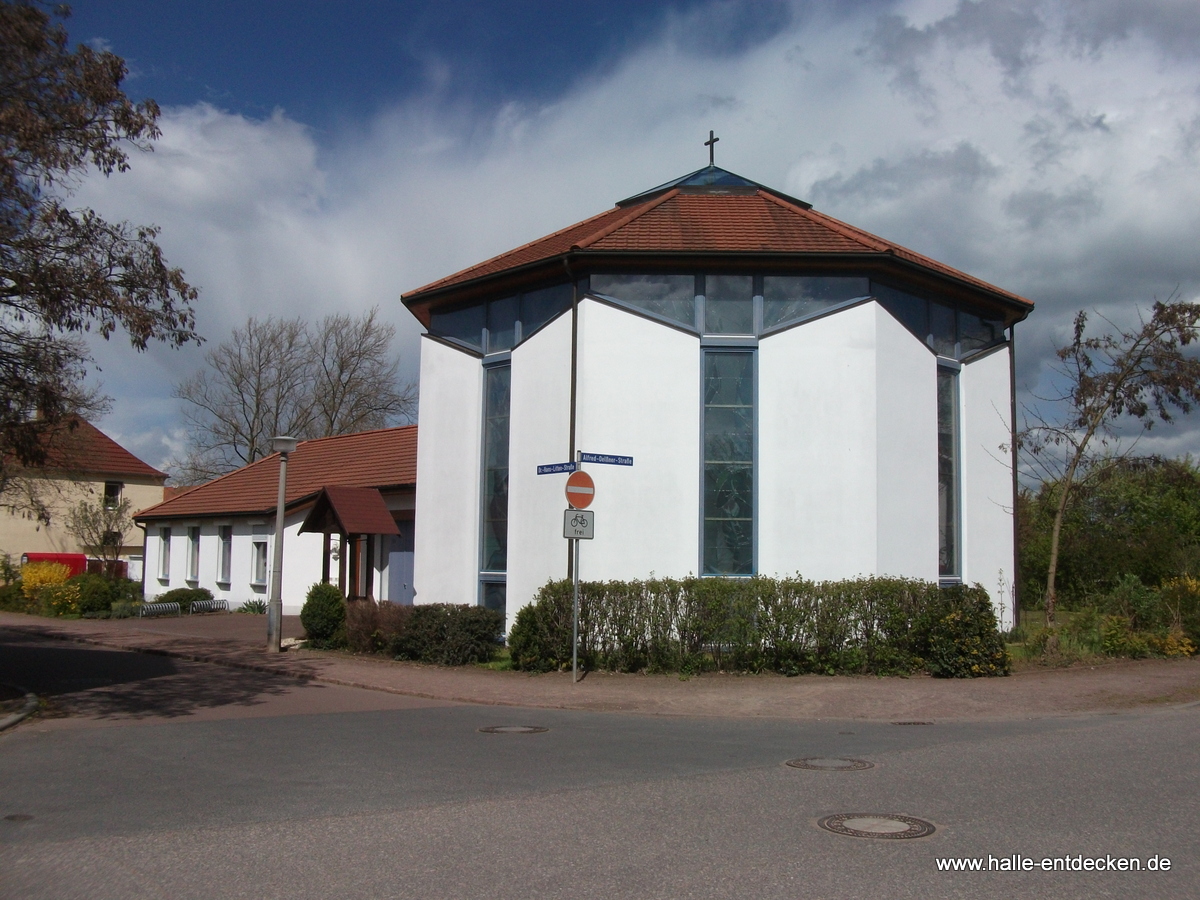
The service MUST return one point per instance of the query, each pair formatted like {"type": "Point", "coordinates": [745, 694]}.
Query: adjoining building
{"type": "Point", "coordinates": [797, 396]}
{"type": "Point", "coordinates": [83, 465]}
{"type": "Point", "coordinates": [348, 520]}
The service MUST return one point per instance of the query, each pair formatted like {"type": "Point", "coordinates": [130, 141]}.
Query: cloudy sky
{"type": "Point", "coordinates": [321, 156]}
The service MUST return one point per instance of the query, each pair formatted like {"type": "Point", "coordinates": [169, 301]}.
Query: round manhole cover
{"type": "Point", "coordinates": [513, 729]}
{"type": "Point", "coordinates": [830, 763]}
{"type": "Point", "coordinates": [875, 825]}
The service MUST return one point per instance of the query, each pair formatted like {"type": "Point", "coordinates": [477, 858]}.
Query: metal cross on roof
{"type": "Point", "coordinates": [709, 144]}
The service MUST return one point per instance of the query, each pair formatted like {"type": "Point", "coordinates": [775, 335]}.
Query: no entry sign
{"type": "Point", "coordinates": [580, 490]}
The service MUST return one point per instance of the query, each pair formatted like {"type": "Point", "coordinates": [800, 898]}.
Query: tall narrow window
{"type": "Point", "coordinates": [193, 565]}
{"type": "Point", "coordinates": [494, 551]}
{"type": "Point", "coordinates": [225, 558]}
{"type": "Point", "coordinates": [258, 560]}
{"type": "Point", "coordinates": [728, 462]}
{"type": "Point", "coordinates": [164, 553]}
{"type": "Point", "coordinates": [948, 488]}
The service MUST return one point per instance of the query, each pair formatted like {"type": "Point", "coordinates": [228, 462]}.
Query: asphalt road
{"type": "Point", "coordinates": [152, 777]}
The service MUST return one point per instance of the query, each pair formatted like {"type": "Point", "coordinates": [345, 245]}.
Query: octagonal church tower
{"type": "Point", "coordinates": [796, 395]}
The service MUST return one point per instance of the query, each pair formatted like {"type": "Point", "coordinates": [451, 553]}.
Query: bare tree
{"type": "Point", "coordinates": [355, 377]}
{"type": "Point", "coordinates": [100, 528]}
{"type": "Point", "coordinates": [281, 376]}
{"type": "Point", "coordinates": [1138, 376]}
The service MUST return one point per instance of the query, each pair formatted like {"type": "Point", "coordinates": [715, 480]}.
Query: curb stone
{"type": "Point", "coordinates": [31, 704]}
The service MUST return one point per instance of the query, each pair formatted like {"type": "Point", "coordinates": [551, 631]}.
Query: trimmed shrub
{"type": "Point", "coordinates": [372, 627]}
{"type": "Point", "coordinates": [324, 616]}
{"type": "Point", "coordinates": [95, 594]}
{"type": "Point", "coordinates": [448, 635]}
{"type": "Point", "coordinates": [185, 597]}
{"type": "Point", "coordinates": [788, 625]}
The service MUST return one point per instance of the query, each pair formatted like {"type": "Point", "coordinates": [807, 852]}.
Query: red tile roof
{"type": "Point", "coordinates": [349, 510]}
{"type": "Point", "coordinates": [378, 459]}
{"type": "Point", "coordinates": [79, 448]}
{"type": "Point", "coordinates": [715, 222]}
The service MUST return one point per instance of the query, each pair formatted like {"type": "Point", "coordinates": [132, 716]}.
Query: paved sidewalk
{"type": "Point", "coordinates": [239, 641]}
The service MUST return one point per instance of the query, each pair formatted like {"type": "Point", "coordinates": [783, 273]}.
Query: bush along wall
{"type": "Point", "coordinates": [790, 625]}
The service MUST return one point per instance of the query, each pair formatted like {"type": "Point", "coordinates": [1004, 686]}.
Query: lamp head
{"type": "Point", "coordinates": [283, 444]}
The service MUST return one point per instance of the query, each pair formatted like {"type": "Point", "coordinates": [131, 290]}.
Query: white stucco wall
{"type": "Point", "coordinates": [446, 558]}
{"type": "Point", "coordinates": [817, 447]}
{"type": "Point", "coordinates": [906, 465]}
{"type": "Point", "coordinates": [988, 551]}
{"type": "Point", "coordinates": [639, 395]}
{"type": "Point", "coordinates": [539, 434]}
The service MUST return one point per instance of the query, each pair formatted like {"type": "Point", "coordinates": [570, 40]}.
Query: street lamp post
{"type": "Point", "coordinates": [283, 445]}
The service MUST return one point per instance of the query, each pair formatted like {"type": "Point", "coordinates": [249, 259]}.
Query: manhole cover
{"type": "Point", "coordinates": [874, 825]}
{"type": "Point", "coordinates": [830, 763]}
{"type": "Point", "coordinates": [912, 723]}
{"type": "Point", "coordinates": [18, 817]}
{"type": "Point", "coordinates": [513, 729]}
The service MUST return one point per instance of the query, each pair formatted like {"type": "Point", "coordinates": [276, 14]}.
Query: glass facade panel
{"type": "Point", "coordinates": [539, 307]}
{"type": "Point", "coordinates": [492, 594]}
{"type": "Point", "coordinates": [787, 298]}
{"type": "Point", "coordinates": [495, 470]}
{"type": "Point", "coordinates": [502, 323]}
{"type": "Point", "coordinates": [912, 312]}
{"type": "Point", "coordinates": [465, 325]}
{"type": "Point", "coordinates": [669, 296]}
{"type": "Point", "coordinates": [943, 333]}
{"type": "Point", "coordinates": [975, 333]}
{"type": "Point", "coordinates": [948, 518]}
{"type": "Point", "coordinates": [728, 463]}
{"type": "Point", "coordinates": [729, 304]}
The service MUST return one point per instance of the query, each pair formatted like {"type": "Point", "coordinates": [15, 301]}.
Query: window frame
{"type": "Point", "coordinates": [954, 522]}
{"type": "Point", "coordinates": [164, 553]}
{"type": "Point", "coordinates": [224, 554]}
{"type": "Point", "coordinates": [193, 560]}
{"type": "Point", "coordinates": [488, 575]}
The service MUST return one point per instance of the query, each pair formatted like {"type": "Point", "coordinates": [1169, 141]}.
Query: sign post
{"type": "Point", "coordinates": [581, 490]}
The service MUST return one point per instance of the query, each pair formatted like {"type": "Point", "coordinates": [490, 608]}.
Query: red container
{"type": "Point", "coordinates": [76, 562]}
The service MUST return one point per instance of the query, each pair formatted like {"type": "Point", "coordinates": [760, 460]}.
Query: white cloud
{"type": "Point", "coordinates": [1051, 153]}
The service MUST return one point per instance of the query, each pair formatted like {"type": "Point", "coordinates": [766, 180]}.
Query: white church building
{"type": "Point", "coordinates": [796, 396]}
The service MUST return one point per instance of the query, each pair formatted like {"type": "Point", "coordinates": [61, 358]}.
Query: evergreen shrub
{"type": "Point", "coordinates": [787, 625]}
{"type": "Point", "coordinates": [96, 594]}
{"type": "Point", "coordinates": [324, 616]}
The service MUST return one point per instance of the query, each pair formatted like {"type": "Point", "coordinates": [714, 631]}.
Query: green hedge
{"type": "Point", "coordinates": [789, 625]}
{"type": "Point", "coordinates": [448, 635]}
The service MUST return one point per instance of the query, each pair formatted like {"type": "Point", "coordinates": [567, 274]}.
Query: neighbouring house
{"type": "Point", "coordinates": [348, 520]}
{"type": "Point", "coordinates": [83, 464]}
{"type": "Point", "coordinates": [795, 395]}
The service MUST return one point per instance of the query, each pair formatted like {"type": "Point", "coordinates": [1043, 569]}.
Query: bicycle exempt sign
{"type": "Point", "coordinates": [578, 524]}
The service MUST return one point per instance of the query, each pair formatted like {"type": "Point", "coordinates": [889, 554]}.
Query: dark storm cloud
{"type": "Point", "coordinates": [1174, 25]}
{"type": "Point", "coordinates": [963, 168]}
{"type": "Point", "coordinates": [1038, 208]}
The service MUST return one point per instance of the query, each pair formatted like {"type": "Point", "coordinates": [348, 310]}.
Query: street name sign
{"type": "Point", "coordinates": [578, 524]}
{"type": "Point", "coordinates": [581, 490]}
{"type": "Point", "coordinates": [606, 459]}
{"type": "Point", "coordinates": [555, 468]}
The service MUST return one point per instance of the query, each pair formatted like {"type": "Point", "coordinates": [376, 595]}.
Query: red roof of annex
{"type": "Point", "coordinates": [378, 459]}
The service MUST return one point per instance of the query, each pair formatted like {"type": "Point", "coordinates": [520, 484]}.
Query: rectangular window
{"type": "Point", "coordinates": [193, 565]}
{"type": "Point", "coordinates": [112, 494]}
{"type": "Point", "coordinates": [258, 561]}
{"type": "Point", "coordinates": [728, 304]}
{"type": "Point", "coordinates": [495, 469]}
{"type": "Point", "coordinates": [948, 487]}
{"type": "Point", "coordinates": [225, 550]}
{"type": "Point", "coordinates": [728, 463]}
{"type": "Point", "coordinates": [164, 553]}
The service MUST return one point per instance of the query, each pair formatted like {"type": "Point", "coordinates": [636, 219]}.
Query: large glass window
{"type": "Point", "coordinates": [502, 317]}
{"type": "Point", "coordinates": [953, 333]}
{"type": "Point", "coordinates": [669, 296]}
{"type": "Point", "coordinates": [729, 304]}
{"type": "Point", "coordinates": [728, 463]}
{"type": "Point", "coordinates": [539, 307]}
{"type": "Point", "coordinates": [789, 298]}
{"type": "Point", "coordinates": [495, 469]}
{"type": "Point", "coordinates": [465, 324]}
{"type": "Point", "coordinates": [948, 488]}
{"type": "Point", "coordinates": [258, 560]}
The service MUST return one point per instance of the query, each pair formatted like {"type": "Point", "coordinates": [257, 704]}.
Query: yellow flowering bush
{"type": "Point", "coordinates": [37, 575]}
